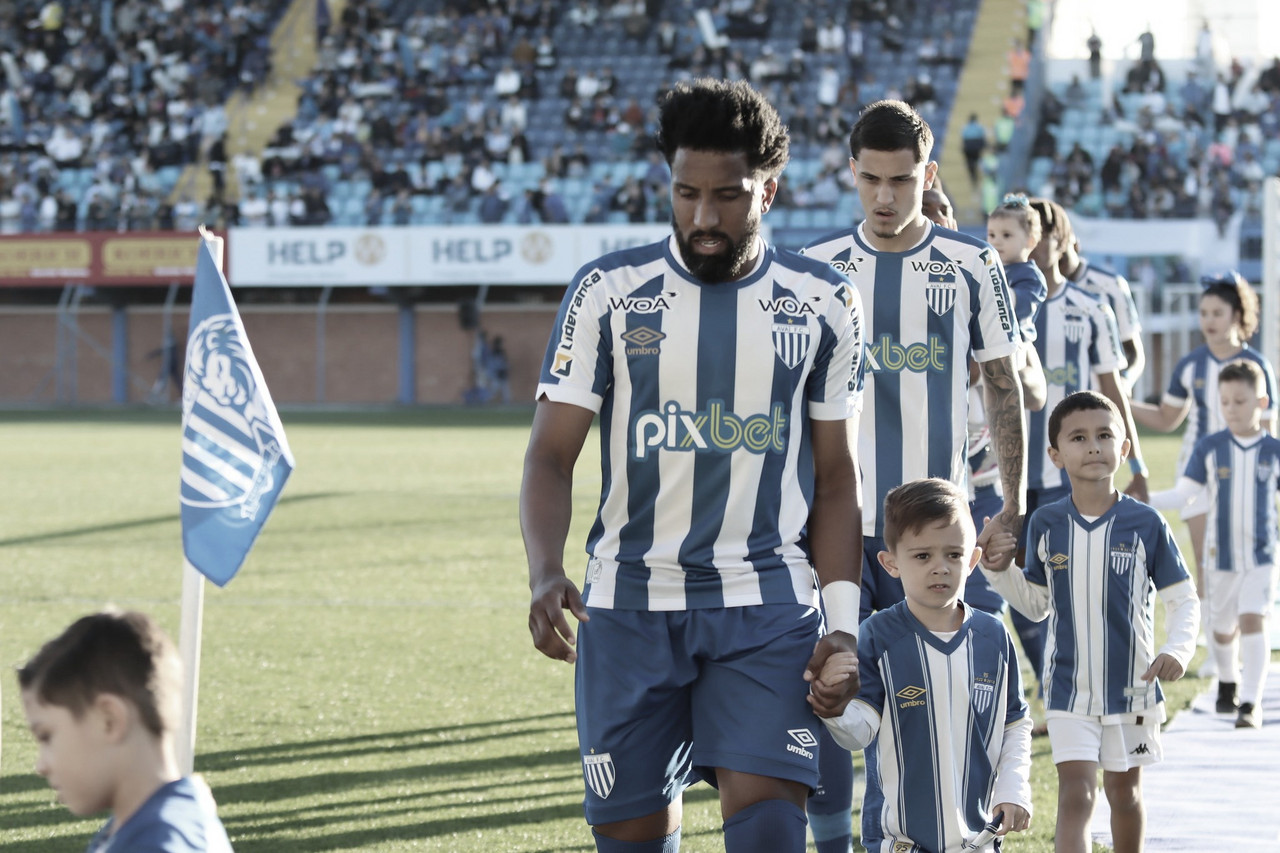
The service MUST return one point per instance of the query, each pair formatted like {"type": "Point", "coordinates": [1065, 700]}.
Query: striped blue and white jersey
{"type": "Point", "coordinates": [1076, 340]}
{"type": "Point", "coordinates": [1195, 378]}
{"type": "Point", "coordinates": [928, 310]}
{"type": "Point", "coordinates": [1242, 477]}
{"type": "Point", "coordinates": [1113, 289]}
{"type": "Point", "coordinates": [1102, 577]}
{"type": "Point", "coordinates": [940, 758]}
{"type": "Point", "coordinates": [705, 394]}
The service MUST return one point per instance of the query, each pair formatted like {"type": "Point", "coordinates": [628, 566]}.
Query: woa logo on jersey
{"type": "Point", "coordinates": [713, 430]}
{"type": "Point", "coordinates": [230, 448]}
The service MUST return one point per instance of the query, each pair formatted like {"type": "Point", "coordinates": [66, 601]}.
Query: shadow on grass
{"type": "Point", "coordinates": [369, 744]}
{"type": "Point", "coordinates": [116, 526]}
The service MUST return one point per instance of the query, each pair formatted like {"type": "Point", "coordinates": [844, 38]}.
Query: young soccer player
{"type": "Point", "coordinates": [102, 700]}
{"type": "Point", "coordinates": [727, 374]}
{"type": "Point", "coordinates": [940, 711]}
{"type": "Point", "coordinates": [1239, 467]}
{"type": "Point", "coordinates": [1095, 561]}
{"type": "Point", "coordinates": [1228, 318]}
{"type": "Point", "coordinates": [1112, 288]}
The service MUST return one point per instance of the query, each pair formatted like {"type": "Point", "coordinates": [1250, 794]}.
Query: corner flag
{"type": "Point", "coordinates": [235, 458]}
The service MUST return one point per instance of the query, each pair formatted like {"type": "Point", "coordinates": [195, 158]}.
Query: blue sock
{"type": "Point", "coordinates": [769, 826]}
{"type": "Point", "coordinates": [830, 808]}
{"type": "Point", "coordinates": [832, 833]}
{"type": "Point", "coordinates": [667, 844]}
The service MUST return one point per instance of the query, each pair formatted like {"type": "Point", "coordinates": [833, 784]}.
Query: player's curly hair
{"type": "Point", "coordinates": [1232, 289]}
{"type": "Point", "coordinates": [726, 116]}
{"type": "Point", "coordinates": [891, 126]}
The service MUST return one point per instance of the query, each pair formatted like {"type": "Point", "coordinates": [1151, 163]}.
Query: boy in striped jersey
{"type": "Point", "coordinates": [1240, 468]}
{"type": "Point", "coordinates": [727, 376]}
{"type": "Point", "coordinates": [1095, 561]}
{"type": "Point", "coordinates": [940, 713]}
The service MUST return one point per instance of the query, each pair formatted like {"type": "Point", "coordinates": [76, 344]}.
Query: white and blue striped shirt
{"type": "Point", "coordinates": [1243, 478]}
{"type": "Point", "coordinates": [928, 310]}
{"type": "Point", "coordinates": [942, 710]}
{"type": "Point", "coordinates": [1195, 378]}
{"type": "Point", "coordinates": [705, 393]}
{"type": "Point", "coordinates": [1075, 339]}
{"type": "Point", "coordinates": [1113, 289]}
{"type": "Point", "coordinates": [1101, 577]}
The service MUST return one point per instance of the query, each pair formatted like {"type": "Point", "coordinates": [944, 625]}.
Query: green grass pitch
{"type": "Point", "coordinates": [367, 681]}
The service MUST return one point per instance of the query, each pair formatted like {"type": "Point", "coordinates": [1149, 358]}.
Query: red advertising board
{"type": "Point", "coordinates": [99, 258]}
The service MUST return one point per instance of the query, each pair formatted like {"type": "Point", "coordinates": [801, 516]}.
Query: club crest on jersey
{"type": "Point", "coordinates": [1075, 327]}
{"type": "Point", "coordinates": [642, 340]}
{"type": "Point", "coordinates": [1122, 557]}
{"type": "Point", "coordinates": [1267, 470]}
{"type": "Point", "coordinates": [941, 296]}
{"type": "Point", "coordinates": [984, 692]}
{"type": "Point", "coordinates": [791, 343]}
{"type": "Point", "coordinates": [600, 774]}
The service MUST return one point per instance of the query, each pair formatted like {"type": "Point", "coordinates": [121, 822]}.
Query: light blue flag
{"type": "Point", "coordinates": [235, 458]}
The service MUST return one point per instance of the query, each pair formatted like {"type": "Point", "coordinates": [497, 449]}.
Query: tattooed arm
{"type": "Point", "coordinates": [1002, 394]}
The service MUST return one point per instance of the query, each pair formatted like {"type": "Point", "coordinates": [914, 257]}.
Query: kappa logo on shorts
{"type": "Point", "coordinates": [805, 739]}
{"type": "Point", "coordinates": [600, 774]}
{"type": "Point", "coordinates": [1140, 749]}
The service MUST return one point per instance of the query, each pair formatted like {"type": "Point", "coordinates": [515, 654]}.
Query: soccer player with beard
{"type": "Point", "coordinates": [934, 299]}
{"type": "Point", "coordinates": [727, 376]}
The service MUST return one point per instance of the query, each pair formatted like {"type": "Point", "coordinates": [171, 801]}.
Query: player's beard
{"type": "Point", "coordinates": [728, 265]}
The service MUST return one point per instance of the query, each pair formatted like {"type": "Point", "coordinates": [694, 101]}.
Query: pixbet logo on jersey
{"type": "Point", "coordinates": [885, 355]}
{"type": "Point", "coordinates": [711, 430]}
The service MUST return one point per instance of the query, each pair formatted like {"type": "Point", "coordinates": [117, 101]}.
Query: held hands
{"type": "Point", "coordinates": [1000, 548]}
{"type": "Point", "coordinates": [551, 632]}
{"type": "Point", "coordinates": [999, 540]}
{"type": "Point", "coordinates": [1165, 667]}
{"type": "Point", "coordinates": [832, 674]}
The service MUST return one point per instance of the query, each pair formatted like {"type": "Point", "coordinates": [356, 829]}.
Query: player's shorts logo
{"type": "Point", "coordinates": [600, 774]}
{"type": "Point", "coordinates": [941, 297]}
{"type": "Point", "coordinates": [791, 343]}
{"type": "Point", "coordinates": [230, 447]}
{"type": "Point", "coordinates": [983, 697]}
{"type": "Point", "coordinates": [806, 742]}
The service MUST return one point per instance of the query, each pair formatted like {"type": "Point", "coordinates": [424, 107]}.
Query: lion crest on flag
{"type": "Point", "coordinates": [230, 446]}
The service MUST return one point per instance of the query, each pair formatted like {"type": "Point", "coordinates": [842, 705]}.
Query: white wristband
{"type": "Point", "coordinates": [841, 600]}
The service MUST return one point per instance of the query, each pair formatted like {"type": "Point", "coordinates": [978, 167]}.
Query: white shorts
{"type": "Point", "coordinates": [1132, 741]}
{"type": "Point", "coordinates": [1234, 593]}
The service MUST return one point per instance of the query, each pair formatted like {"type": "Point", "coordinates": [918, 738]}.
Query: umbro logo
{"type": "Point", "coordinates": [805, 739]}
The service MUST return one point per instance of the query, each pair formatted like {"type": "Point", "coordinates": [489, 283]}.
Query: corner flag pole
{"type": "Point", "coordinates": [192, 624]}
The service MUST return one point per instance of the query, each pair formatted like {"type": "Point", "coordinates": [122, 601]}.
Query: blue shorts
{"type": "Point", "coordinates": [663, 697]}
